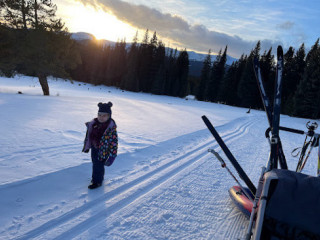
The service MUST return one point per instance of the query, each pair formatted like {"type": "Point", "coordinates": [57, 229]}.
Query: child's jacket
{"type": "Point", "coordinates": [108, 145]}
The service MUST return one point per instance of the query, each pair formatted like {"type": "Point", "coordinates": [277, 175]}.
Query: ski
{"type": "Point", "coordinates": [229, 155]}
{"type": "Point", "coordinates": [275, 139]}
{"type": "Point", "coordinates": [263, 94]}
{"type": "Point", "coordinates": [268, 110]}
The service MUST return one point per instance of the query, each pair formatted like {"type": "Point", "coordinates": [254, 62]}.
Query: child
{"type": "Point", "coordinates": [102, 138]}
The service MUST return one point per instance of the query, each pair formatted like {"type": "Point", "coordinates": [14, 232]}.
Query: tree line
{"type": "Point", "coordinates": [36, 43]}
{"type": "Point", "coordinates": [142, 67]}
{"type": "Point", "coordinates": [236, 84]}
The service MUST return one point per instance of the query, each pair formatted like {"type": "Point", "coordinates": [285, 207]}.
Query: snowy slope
{"type": "Point", "coordinates": [163, 185]}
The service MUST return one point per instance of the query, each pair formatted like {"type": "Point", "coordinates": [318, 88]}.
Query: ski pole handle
{"type": "Point", "coordinates": [223, 164]}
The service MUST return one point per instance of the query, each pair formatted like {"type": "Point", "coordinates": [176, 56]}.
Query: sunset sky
{"type": "Point", "coordinates": [198, 25]}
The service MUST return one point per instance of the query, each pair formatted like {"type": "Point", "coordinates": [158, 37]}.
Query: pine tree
{"type": "Point", "coordinates": [45, 48]}
{"type": "Point", "coordinates": [204, 78]}
{"type": "Point", "coordinates": [170, 72]}
{"type": "Point", "coordinates": [295, 76]}
{"type": "Point", "coordinates": [213, 82]}
{"type": "Point", "coordinates": [227, 88]}
{"type": "Point", "coordinates": [216, 76]}
{"type": "Point", "coordinates": [307, 98]}
{"type": "Point", "coordinates": [15, 13]}
{"type": "Point", "coordinates": [131, 81]}
{"type": "Point", "coordinates": [49, 53]}
{"type": "Point", "coordinates": [182, 74]}
{"type": "Point", "coordinates": [287, 76]}
{"type": "Point", "coordinates": [146, 60]}
{"type": "Point", "coordinates": [119, 63]}
{"type": "Point", "coordinates": [43, 15]}
{"type": "Point", "coordinates": [7, 52]}
{"type": "Point", "coordinates": [248, 92]}
{"type": "Point", "coordinates": [158, 84]}
{"type": "Point", "coordinates": [156, 58]}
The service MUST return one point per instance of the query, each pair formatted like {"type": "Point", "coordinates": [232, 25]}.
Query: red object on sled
{"type": "Point", "coordinates": [241, 200]}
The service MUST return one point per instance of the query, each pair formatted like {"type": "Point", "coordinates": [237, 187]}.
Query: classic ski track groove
{"type": "Point", "coordinates": [169, 170]}
{"type": "Point", "coordinates": [47, 150]}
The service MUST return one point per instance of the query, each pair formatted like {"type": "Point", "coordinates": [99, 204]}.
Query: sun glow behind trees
{"type": "Point", "coordinates": [101, 24]}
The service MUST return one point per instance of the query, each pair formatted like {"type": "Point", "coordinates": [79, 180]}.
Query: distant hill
{"type": "Point", "coordinates": [196, 59]}
{"type": "Point", "coordinates": [82, 36]}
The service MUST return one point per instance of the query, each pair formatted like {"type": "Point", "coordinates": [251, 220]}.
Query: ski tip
{"type": "Point", "coordinates": [280, 51]}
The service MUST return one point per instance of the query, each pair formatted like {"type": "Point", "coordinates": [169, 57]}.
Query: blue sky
{"type": "Point", "coordinates": [208, 24]}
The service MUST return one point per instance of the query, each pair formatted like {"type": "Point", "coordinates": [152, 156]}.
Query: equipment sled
{"type": "Point", "coordinates": [289, 207]}
{"type": "Point", "coordinates": [285, 204]}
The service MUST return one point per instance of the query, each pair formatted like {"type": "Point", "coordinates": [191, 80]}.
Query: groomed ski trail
{"type": "Point", "coordinates": [96, 217]}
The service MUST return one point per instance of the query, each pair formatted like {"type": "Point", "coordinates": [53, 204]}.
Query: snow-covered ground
{"type": "Point", "coordinates": [164, 183]}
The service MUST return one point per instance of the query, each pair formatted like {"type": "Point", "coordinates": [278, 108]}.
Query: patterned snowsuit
{"type": "Point", "coordinates": [105, 153]}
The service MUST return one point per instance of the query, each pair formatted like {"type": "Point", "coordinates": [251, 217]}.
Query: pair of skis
{"type": "Point", "coordinates": [273, 116]}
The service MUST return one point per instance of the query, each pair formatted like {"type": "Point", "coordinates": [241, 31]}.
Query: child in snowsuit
{"type": "Point", "coordinates": [102, 139]}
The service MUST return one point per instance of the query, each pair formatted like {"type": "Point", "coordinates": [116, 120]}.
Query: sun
{"type": "Point", "coordinates": [101, 24]}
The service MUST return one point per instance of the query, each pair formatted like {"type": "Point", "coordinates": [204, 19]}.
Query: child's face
{"type": "Point", "coordinates": [103, 117]}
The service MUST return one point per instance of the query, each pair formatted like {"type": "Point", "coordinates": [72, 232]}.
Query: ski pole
{"type": "Point", "coordinates": [317, 144]}
{"type": "Point", "coordinates": [313, 144]}
{"type": "Point", "coordinates": [318, 170]}
{"type": "Point", "coordinates": [303, 151]}
{"type": "Point", "coordinates": [224, 165]}
{"type": "Point", "coordinates": [255, 204]}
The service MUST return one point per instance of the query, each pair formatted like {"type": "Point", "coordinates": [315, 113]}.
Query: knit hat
{"type": "Point", "coordinates": [105, 107]}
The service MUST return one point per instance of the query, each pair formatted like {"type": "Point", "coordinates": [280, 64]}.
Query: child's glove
{"type": "Point", "coordinates": [109, 162]}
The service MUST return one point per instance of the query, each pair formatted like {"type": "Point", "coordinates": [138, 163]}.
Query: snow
{"type": "Point", "coordinates": [163, 185]}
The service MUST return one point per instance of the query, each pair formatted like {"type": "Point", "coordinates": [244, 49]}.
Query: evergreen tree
{"type": "Point", "coordinates": [7, 52]}
{"type": "Point", "coordinates": [43, 15]}
{"type": "Point", "coordinates": [287, 77]}
{"type": "Point", "coordinates": [248, 92]}
{"type": "Point", "coordinates": [118, 63]}
{"type": "Point", "coordinates": [15, 13]}
{"type": "Point", "coordinates": [89, 50]}
{"type": "Point", "coordinates": [45, 48]}
{"type": "Point", "coordinates": [146, 59]}
{"type": "Point", "coordinates": [216, 76]}
{"type": "Point", "coordinates": [159, 77]}
{"type": "Point", "coordinates": [213, 82]}
{"type": "Point", "coordinates": [299, 65]}
{"type": "Point", "coordinates": [48, 53]}
{"type": "Point", "coordinates": [131, 81]}
{"type": "Point", "coordinates": [170, 72]}
{"type": "Point", "coordinates": [295, 76]}
{"type": "Point", "coordinates": [227, 89]}
{"type": "Point", "coordinates": [156, 57]}
{"type": "Point", "coordinates": [307, 98]}
{"type": "Point", "coordinates": [182, 74]}
{"type": "Point", "coordinates": [204, 78]}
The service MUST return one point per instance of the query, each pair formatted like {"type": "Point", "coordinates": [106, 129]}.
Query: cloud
{"type": "Point", "coordinates": [286, 25]}
{"type": "Point", "coordinates": [195, 37]}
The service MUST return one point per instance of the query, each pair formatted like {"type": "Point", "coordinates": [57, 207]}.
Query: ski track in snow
{"type": "Point", "coordinates": [195, 175]}
{"type": "Point", "coordinates": [35, 152]}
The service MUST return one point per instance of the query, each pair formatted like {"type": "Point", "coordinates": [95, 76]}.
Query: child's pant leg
{"type": "Point", "coordinates": [97, 167]}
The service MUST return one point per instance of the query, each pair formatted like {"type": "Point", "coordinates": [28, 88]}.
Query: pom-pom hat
{"type": "Point", "coordinates": [105, 107]}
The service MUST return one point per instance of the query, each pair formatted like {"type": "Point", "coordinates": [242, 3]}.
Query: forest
{"type": "Point", "coordinates": [34, 42]}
